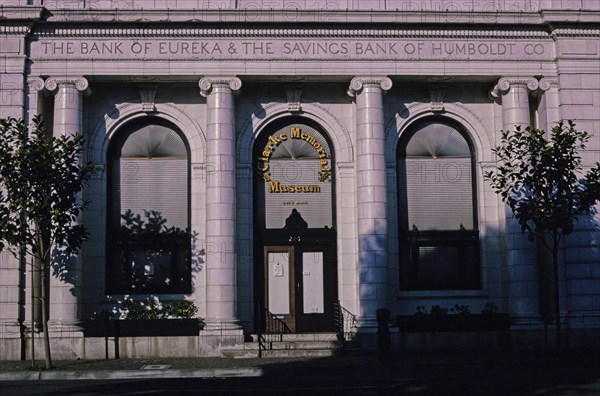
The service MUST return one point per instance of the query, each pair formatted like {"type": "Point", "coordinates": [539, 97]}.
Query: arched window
{"type": "Point", "coordinates": [148, 236]}
{"type": "Point", "coordinates": [294, 170]}
{"type": "Point", "coordinates": [439, 240]}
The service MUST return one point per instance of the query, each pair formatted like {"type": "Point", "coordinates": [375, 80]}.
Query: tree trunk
{"type": "Point", "coordinates": [556, 291]}
{"type": "Point", "coordinates": [45, 305]}
{"type": "Point", "coordinates": [36, 291]}
{"type": "Point", "coordinates": [32, 313]}
{"type": "Point", "coordinates": [541, 250]}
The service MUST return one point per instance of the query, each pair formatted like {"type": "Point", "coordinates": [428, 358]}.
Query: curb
{"type": "Point", "coordinates": [129, 374]}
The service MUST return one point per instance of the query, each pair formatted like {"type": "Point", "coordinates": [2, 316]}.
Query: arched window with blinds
{"type": "Point", "coordinates": [148, 220]}
{"type": "Point", "coordinates": [439, 239]}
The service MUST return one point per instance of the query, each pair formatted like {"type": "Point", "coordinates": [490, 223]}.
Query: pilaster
{"type": "Point", "coordinates": [549, 108]}
{"type": "Point", "coordinates": [35, 85]}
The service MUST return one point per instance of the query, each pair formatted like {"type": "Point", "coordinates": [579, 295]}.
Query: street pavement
{"type": "Point", "coordinates": [572, 372]}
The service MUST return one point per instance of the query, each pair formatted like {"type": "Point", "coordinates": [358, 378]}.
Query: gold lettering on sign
{"type": "Point", "coordinates": [276, 187]}
{"type": "Point", "coordinates": [325, 169]}
{"type": "Point", "coordinates": [263, 160]}
{"type": "Point", "coordinates": [273, 142]}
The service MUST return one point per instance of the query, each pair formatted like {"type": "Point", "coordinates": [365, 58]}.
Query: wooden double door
{"type": "Point", "coordinates": [300, 284]}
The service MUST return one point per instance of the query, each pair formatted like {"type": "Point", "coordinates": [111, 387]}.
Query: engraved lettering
{"type": "Point", "coordinates": [290, 49]}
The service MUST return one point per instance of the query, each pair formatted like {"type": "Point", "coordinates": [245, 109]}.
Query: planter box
{"type": "Point", "coordinates": [142, 328]}
{"type": "Point", "coordinates": [452, 323]}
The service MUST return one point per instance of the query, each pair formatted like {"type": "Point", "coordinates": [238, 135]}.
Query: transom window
{"type": "Point", "coordinates": [436, 199]}
{"type": "Point", "coordinates": [148, 221]}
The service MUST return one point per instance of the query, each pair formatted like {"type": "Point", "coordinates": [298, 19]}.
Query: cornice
{"type": "Point", "coordinates": [321, 33]}
{"type": "Point", "coordinates": [17, 30]}
{"type": "Point", "coordinates": [570, 16]}
{"type": "Point", "coordinates": [267, 14]}
{"type": "Point", "coordinates": [11, 12]}
{"type": "Point", "coordinates": [576, 32]}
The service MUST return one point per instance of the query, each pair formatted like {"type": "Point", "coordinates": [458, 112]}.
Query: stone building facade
{"type": "Point", "coordinates": [313, 151]}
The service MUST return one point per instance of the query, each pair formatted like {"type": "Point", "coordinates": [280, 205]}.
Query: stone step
{"type": "Point", "coordinates": [299, 353]}
{"type": "Point", "coordinates": [294, 337]}
{"type": "Point", "coordinates": [296, 345]}
{"type": "Point", "coordinates": [279, 353]}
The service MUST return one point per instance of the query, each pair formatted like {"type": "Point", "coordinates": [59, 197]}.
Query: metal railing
{"type": "Point", "coordinates": [345, 323]}
{"type": "Point", "coordinates": [271, 329]}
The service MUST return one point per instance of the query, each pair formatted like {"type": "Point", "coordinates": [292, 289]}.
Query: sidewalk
{"type": "Point", "coordinates": [353, 365]}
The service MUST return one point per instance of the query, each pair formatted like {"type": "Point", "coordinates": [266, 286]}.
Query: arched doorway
{"type": "Point", "coordinates": [295, 235]}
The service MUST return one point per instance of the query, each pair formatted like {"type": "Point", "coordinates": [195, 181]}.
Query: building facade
{"type": "Point", "coordinates": [272, 157]}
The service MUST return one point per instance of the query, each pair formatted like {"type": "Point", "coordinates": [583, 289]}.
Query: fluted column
{"type": "Point", "coordinates": [371, 195]}
{"type": "Point", "coordinates": [220, 201]}
{"type": "Point", "coordinates": [523, 295]}
{"type": "Point", "coordinates": [65, 282]}
{"type": "Point", "coordinates": [549, 108]}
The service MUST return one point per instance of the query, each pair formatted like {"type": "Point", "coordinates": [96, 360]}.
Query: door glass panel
{"type": "Point", "coordinates": [278, 265]}
{"type": "Point", "coordinates": [312, 277]}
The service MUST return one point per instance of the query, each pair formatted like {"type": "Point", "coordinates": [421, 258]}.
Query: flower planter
{"type": "Point", "coordinates": [142, 328]}
{"type": "Point", "coordinates": [452, 323]}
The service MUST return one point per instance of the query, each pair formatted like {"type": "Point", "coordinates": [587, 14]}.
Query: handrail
{"type": "Point", "coordinates": [275, 325]}
{"type": "Point", "coordinates": [345, 322]}
{"type": "Point", "coordinates": [270, 329]}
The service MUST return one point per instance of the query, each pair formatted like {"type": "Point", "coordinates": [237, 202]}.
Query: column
{"type": "Point", "coordinates": [65, 287]}
{"type": "Point", "coordinates": [549, 109]}
{"type": "Point", "coordinates": [371, 195]}
{"type": "Point", "coordinates": [523, 295]}
{"type": "Point", "coordinates": [220, 202]}
{"type": "Point", "coordinates": [68, 99]}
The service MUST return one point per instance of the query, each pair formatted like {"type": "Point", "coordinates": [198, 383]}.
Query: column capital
{"type": "Point", "coordinates": [546, 83]}
{"type": "Point", "coordinates": [505, 83]}
{"type": "Point", "coordinates": [35, 83]}
{"type": "Point", "coordinates": [80, 83]}
{"type": "Point", "coordinates": [358, 83]}
{"type": "Point", "coordinates": [208, 83]}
